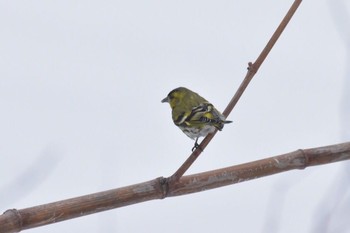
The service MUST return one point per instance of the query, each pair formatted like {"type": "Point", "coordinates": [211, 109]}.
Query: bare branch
{"type": "Point", "coordinates": [252, 70]}
{"type": "Point", "coordinates": [16, 220]}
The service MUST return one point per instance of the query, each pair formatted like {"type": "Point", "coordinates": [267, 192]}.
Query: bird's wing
{"type": "Point", "coordinates": [206, 114]}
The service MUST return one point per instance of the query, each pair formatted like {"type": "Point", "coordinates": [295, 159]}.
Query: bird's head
{"type": "Point", "coordinates": [175, 96]}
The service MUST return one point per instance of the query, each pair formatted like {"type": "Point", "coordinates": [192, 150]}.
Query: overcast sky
{"type": "Point", "coordinates": [80, 90]}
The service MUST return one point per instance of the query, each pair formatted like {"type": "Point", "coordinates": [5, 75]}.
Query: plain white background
{"type": "Point", "coordinates": [80, 90]}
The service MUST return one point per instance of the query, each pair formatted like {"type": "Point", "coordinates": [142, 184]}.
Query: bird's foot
{"type": "Point", "coordinates": [196, 146]}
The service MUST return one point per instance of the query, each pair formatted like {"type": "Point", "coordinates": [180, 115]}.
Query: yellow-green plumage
{"type": "Point", "coordinates": [193, 114]}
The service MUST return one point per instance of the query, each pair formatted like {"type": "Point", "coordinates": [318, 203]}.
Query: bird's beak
{"type": "Point", "coordinates": [166, 99]}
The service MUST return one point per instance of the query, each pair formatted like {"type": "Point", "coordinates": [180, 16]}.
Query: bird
{"type": "Point", "coordinates": [193, 114]}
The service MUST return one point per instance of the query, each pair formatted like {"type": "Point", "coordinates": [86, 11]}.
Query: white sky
{"type": "Point", "coordinates": [80, 90]}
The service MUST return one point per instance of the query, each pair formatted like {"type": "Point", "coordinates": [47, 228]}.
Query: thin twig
{"type": "Point", "coordinates": [252, 70]}
{"type": "Point", "coordinates": [16, 220]}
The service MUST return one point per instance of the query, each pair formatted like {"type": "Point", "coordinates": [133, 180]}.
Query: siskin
{"type": "Point", "coordinates": [193, 114]}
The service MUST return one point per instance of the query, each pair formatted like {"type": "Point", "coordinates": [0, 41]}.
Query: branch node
{"type": "Point", "coordinates": [306, 158]}
{"type": "Point", "coordinates": [164, 184]}
{"type": "Point", "coordinates": [17, 216]}
{"type": "Point", "coordinates": [252, 68]}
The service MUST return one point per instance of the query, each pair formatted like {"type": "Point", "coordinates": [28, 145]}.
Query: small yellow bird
{"type": "Point", "coordinates": [193, 114]}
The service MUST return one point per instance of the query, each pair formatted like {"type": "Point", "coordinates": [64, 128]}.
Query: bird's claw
{"type": "Point", "coordinates": [196, 146]}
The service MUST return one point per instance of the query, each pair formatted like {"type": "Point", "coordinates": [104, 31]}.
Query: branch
{"type": "Point", "coordinates": [16, 220]}
{"type": "Point", "coordinates": [252, 70]}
